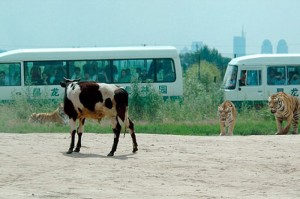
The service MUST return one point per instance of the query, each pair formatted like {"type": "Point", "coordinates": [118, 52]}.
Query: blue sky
{"type": "Point", "coordinates": [81, 23]}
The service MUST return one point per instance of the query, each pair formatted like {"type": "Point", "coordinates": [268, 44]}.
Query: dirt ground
{"type": "Point", "coordinates": [166, 166]}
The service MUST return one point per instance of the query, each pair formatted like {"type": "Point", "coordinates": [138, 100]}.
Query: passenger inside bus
{"type": "Point", "coordinates": [77, 73]}
{"type": "Point", "coordinates": [45, 79]}
{"type": "Point", "coordinates": [102, 77]}
{"type": "Point", "coordinates": [277, 79]}
{"type": "Point", "coordinates": [35, 74]}
{"type": "Point", "coordinates": [242, 80]}
{"type": "Point", "coordinates": [124, 77]}
{"type": "Point", "coordinates": [295, 78]}
{"type": "Point", "coordinates": [111, 71]}
{"type": "Point", "coordinates": [4, 81]}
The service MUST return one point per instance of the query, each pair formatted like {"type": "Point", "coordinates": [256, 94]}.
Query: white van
{"type": "Point", "coordinates": [255, 77]}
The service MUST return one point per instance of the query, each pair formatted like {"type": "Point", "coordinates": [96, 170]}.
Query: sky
{"type": "Point", "coordinates": [89, 23]}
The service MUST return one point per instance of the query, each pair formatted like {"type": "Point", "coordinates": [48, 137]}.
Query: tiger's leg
{"type": "Point", "coordinates": [73, 132]}
{"type": "Point", "coordinates": [222, 128]}
{"type": "Point", "coordinates": [279, 126]}
{"type": "Point", "coordinates": [295, 123]}
{"type": "Point", "coordinates": [79, 133]}
{"type": "Point", "coordinates": [231, 127]}
{"type": "Point", "coordinates": [288, 125]}
{"type": "Point", "coordinates": [132, 133]}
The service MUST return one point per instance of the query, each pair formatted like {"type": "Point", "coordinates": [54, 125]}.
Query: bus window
{"type": "Point", "coordinates": [44, 72]}
{"type": "Point", "coordinates": [253, 78]}
{"type": "Point", "coordinates": [276, 75]}
{"type": "Point", "coordinates": [293, 75]}
{"type": "Point", "coordinates": [10, 74]}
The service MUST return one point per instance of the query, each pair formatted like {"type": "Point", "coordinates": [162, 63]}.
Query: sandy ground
{"type": "Point", "coordinates": [36, 166]}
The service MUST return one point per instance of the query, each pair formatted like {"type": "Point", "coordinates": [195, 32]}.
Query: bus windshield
{"type": "Point", "coordinates": [230, 77]}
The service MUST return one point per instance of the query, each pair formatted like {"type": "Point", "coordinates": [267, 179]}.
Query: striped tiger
{"type": "Point", "coordinates": [284, 107]}
{"type": "Point", "coordinates": [58, 116]}
{"type": "Point", "coordinates": [227, 114]}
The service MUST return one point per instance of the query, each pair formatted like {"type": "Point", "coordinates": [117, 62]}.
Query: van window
{"type": "Point", "coordinates": [10, 74]}
{"type": "Point", "coordinates": [250, 78]}
{"type": "Point", "coordinates": [276, 75]}
{"type": "Point", "coordinates": [293, 75]}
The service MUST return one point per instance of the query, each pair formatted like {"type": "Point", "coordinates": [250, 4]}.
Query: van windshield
{"type": "Point", "coordinates": [230, 76]}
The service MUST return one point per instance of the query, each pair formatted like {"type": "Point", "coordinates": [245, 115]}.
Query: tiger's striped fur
{"type": "Point", "coordinates": [58, 116]}
{"type": "Point", "coordinates": [285, 107]}
{"type": "Point", "coordinates": [227, 114]}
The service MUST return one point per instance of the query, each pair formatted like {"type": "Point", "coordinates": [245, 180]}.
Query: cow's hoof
{"type": "Point", "coordinates": [134, 150]}
{"type": "Point", "coordinates": [110, 154]}
{"type": "Point", "coordinates": [69, 151]}
{"type": "Point", "coordinates": [77, 150]}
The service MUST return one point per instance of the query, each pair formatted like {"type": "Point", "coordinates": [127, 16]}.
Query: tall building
{"type": "Point", "coordinates": [239, 45]}
{"type": "Point", "coordinates": [266, 47]}
{"type": "Point", "coordinates": [282, 46]}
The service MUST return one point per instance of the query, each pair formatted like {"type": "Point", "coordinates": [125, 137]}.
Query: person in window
{"type": "Point", "coordinates": [45, 79]}
{"type": "Point", "coordinates": [77, 73]}
{"type": "Point", "coordinates": [124, 77]}
{"type": "Point", "coordinates": [111, 72]}
{"type": "Point", "coordinates": [87, 77]}
{"type": "Point", "coordinates": [36, 74]}
{"type": "Point", "coordinates": [271, 76]}
{"type": "Point", "coordinates": [168, 74]}
{"type": "Point", "coordinates": [60, 74]}
{"type": "Point", "coordinates": [102, 77]}
{"type": "Point", "coordinates": [52, 77]}
{"type": "Point", "coordinates": [242, 80]}
{"type": "Point", "coordinates": [277, 80]}
{"type": "Point", "coordinates": [295, 78]}
{"type": "Point", "coordinates": [4, 81]}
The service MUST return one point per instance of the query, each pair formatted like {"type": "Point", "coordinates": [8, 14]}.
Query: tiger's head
{"type": "Point", "coordinates": [275, 102]}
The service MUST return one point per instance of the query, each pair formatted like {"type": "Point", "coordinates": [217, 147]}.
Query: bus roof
{"type": "Point", "coordinates": [267, 59]}
{"type": "Point", "coordinates": [44, 54]}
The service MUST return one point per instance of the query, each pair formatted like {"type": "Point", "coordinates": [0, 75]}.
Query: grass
{"type": "Point", "coordinates": [10, 123]}
{"type": "Point", "coordinates": [195, 114]}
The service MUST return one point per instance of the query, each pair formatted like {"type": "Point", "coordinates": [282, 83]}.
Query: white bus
{"type": "Point", "coordinates": [255, 77]}
{"type": "Point", "coordinates": [39, 71]}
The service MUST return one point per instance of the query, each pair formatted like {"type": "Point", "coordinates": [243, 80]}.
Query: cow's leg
{"type": "Point", "coordinates": [117, 130]}
{"type": "Point", "coordinates": [73, 132]}
{"type": "Point", "coordinates": [132, 133]}
{"type": "Point", "coordinates": [79, 133]}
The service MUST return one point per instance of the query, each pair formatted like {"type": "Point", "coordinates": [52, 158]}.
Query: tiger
{"type": "Point", "coordinates": [58, 116]}
{"type": "Point", "coordinates": [285, 107]}
{"type": "Point", "coordinates": [227, 115]}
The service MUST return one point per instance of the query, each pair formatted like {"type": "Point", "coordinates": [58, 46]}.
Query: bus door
{"type": "Point", "coordinates": [250, 85]}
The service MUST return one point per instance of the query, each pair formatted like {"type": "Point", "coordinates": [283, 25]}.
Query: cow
{"type": "Point", "coordinates": [96, 100]}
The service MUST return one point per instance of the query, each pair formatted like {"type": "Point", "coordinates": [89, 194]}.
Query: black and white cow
{"type": "Point", "coordinates": [96, 100]}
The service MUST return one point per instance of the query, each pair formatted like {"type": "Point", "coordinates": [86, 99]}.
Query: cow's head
{"type": "Point", "coordinates": [66, 82]}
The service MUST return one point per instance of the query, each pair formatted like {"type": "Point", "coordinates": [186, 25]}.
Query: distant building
{"type": "Point", "coordinates": [266, 47]}
{"type": "Point", "coordinates": [239, 45]}
{"type": "Point", "coordinates": [196, 45]}
{"type": "Point", "coordinates": [282, 47]}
